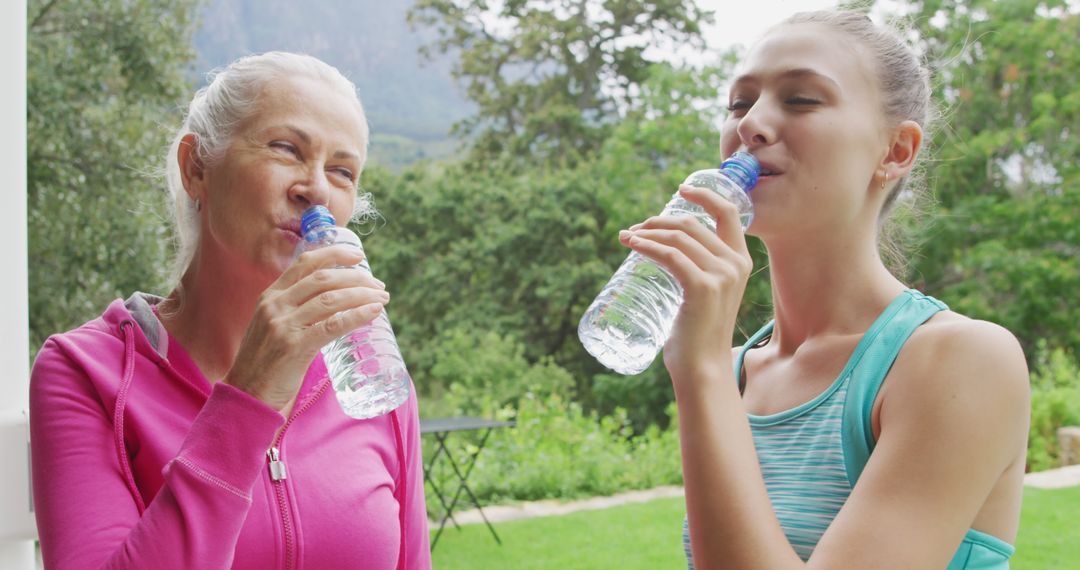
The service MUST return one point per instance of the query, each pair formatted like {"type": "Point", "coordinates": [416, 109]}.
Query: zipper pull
{"type": "Point", "coordinates": [277, 467]}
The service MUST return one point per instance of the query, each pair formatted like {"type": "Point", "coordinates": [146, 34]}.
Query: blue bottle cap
{"type": "Point", "coordinates": [742, 168]}
{"type": "Point", "coordinates": [315, 216]}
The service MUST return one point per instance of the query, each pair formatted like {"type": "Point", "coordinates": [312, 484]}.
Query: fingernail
{"type": "Point", "coordinates": [625, 234]}
{"type": "Point", "coordinates": [379, 284]}
{"type": "Point", "coordinates": [635, 227]}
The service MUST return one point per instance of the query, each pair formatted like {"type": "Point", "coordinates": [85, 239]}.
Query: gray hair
{"type": "Point", "coordinates": [216, 111]}
{"type": "Point", "coordinates": [904, 81]}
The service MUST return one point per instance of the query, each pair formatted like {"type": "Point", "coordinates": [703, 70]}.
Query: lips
{"type": "Point", "coordinates": [291, 226]}
{"type": "Point", "coordinates": [768, 169]}
{"type": "Point", "coordinates": [291, 230]}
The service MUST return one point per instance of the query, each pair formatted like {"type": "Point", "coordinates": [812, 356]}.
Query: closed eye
{"type": "Point", "coordinates": [739, 106]}
{"type": "Point", "coordinates": [802, 101]}
{"type": "Point", "coordinates": [345, 173]}
{"type": "Point", "coordinates": [285, 146]}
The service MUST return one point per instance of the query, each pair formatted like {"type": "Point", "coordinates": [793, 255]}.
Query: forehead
{"type": "Point", "coordinates": [312, 104]}
{"type": "Point", "coordinates": [813, 47]}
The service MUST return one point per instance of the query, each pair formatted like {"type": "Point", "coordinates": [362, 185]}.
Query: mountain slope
{"type": "Point", "coordinates": [410, 103]}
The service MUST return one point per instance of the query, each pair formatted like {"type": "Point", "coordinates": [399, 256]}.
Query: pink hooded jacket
{"type": "Point", "coordinates": [138, 462]}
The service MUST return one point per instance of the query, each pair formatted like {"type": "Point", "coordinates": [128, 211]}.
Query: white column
{"type": "Point", "coordinates": [17, 530]}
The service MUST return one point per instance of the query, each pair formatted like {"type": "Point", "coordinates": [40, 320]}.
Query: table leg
{"type": "Point", "coordinates": [449, 509]}
{"type": "Point", "coordinates": [463, 485]}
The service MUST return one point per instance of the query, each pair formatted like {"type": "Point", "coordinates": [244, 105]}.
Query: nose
{"type": "Point", "coordinates": [312, 190]}
{"type": "Point", "coordinates": [758, 127]}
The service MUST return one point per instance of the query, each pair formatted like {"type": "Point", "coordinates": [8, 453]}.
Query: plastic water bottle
{"type": "Point", "coordinates": [365, 366]}
{"type": "Point", "coordinates": [632, 317]}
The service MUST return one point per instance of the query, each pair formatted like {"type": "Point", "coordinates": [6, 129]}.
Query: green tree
{"type": "Point", "coordinates": [671, 133]}
{"type": "Point", "coordinates": [551, 78]}
{"type": "Point", "coordinates": [1003, 243]}
{"type": "Point", "coordinates": [487, 252]}
{"type": "Point", "coordinates": [104, 77]}
{"type": "Point", "coordinates": [523, 253]}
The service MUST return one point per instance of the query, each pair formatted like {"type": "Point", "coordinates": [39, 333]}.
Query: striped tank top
{"type": "Point", "coordinates": [812, 455]}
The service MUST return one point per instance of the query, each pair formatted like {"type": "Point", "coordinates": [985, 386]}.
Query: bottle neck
{"type": "Point", "coordinates": [316, 219]}
{"type": "Point", "coordinates": [739, 175]}
{"type": "Point", "coordinates": [743, 169]}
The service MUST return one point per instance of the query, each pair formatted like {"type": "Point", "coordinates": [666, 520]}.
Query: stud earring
{"type": "Point", "coordinates": [198, 205]}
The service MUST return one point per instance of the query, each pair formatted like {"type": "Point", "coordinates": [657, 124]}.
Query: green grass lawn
{"type": "Point", "coordinates": [649, 536]}
{"type": "Point", "coordinates": [644, 535]}
{"type": "Point", "coordinates": [1049, 530]}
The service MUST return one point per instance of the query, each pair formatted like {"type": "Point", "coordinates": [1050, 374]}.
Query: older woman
{"type": "Point", "coordinates": [200, 430]}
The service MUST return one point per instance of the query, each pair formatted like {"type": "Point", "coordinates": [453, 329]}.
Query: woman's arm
{"type": "Point", "coordinates": [954, 418]}
{"type": "Point", "coordinates": [732, 524]}
{"type": "Point", "coordinates": [416, 537]}
{"type": "Point", "coordinates": [86, 514]}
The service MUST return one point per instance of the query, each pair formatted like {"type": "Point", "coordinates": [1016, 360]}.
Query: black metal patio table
{"type": "Point", "coordinates": [441, 428]}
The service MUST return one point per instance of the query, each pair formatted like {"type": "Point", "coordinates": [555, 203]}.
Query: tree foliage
{"type": "Point", "coordinates": [1003, 243]}
{"type": "Point", "coordinates": [579, 133]}
{"type": "Point", "coordinates": [516, 255]}
{"type": "Point", "coordinates": [102, 78]}
{"type": "Point", "coordinates": [523, 253]}
{"type": "Point", "coordinates": [551, 78]}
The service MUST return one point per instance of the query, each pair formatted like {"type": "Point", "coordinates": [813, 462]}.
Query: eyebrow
{"type": "Point", "coordinates": [794, 73]}
{"type": "Point", "coordinates": [306, 138]}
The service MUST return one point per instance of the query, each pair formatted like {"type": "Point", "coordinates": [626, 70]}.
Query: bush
{"type": "Point", "coordinates": [645, 397]}
{"type": "Point", "coordinates": [479, 373]}
{"type": "Point", "coordinates": [557, 450]}
{"type": "Point", "coordinates": [1055, 402]}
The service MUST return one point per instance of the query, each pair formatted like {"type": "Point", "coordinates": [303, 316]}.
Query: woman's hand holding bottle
{"type": "Point", "coordinates": [712, 268]}
{"type": "Point", "coordinates": [317, 299]}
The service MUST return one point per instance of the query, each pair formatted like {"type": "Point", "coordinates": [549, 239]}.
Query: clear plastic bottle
{"type": "Point", "coordinates": [631, 318]}
{"type": "Point", "coordinates": [365, 366]}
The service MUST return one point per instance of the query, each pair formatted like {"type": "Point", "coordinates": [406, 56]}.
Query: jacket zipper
{"type": "Point", "coordinates": [278, 473]}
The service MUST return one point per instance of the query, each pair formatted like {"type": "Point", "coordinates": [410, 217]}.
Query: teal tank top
{"type": "Point", "coordinates": [812, 455]}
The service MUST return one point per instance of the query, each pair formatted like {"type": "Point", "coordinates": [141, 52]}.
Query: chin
{"type": "Point", "coordinates": [282, 264]}
{"type": "Point", "coordinates": [271, 268]}
{"type": "Point", "coordinates": [762, 227]}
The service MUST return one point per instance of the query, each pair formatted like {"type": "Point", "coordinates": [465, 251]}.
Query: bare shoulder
{"type": "Point", "coordinates": [951, 424]}
{"type": "Point", "coordinates": [953, 357]}
{"type": "Point", "coordinates": [952, 342]}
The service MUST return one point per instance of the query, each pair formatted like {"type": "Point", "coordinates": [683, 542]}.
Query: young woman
{"type": "Point", "coordinates": [200, 430]}
{"type": "Point", "coordinates": [867, 426]}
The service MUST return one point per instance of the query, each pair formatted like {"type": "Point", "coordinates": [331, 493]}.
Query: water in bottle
{"type": "Point", "coordinates": [365, 366]}
{"type": "Point", "coordinates": [632, 317]}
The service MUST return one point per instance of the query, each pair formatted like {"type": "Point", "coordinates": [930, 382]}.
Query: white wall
{"type": "Point", "coordinates": [17, 530]}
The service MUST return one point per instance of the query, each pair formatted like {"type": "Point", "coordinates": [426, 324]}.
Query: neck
{"type": "Point", "coordinates": [209, 312]}
{"type": "Point", "coordinates": [835, 285]}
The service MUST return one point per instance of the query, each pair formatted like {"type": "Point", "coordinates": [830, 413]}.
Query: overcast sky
{"type": "Point", "coordinates": [743, 21]}
{"type": "Point", "coordinates": [737, 22]}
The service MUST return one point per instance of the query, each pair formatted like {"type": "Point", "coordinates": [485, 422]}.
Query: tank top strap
{"type": "Point", "coordinates": [868, 367]}
{"type": "Point", "coordinates": [750, 343]}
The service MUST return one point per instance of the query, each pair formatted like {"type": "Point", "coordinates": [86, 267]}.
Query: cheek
{"type": "Point", "coordinates": [729, 138]}
{"type": "Point", "coordinates": [341, 206]}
